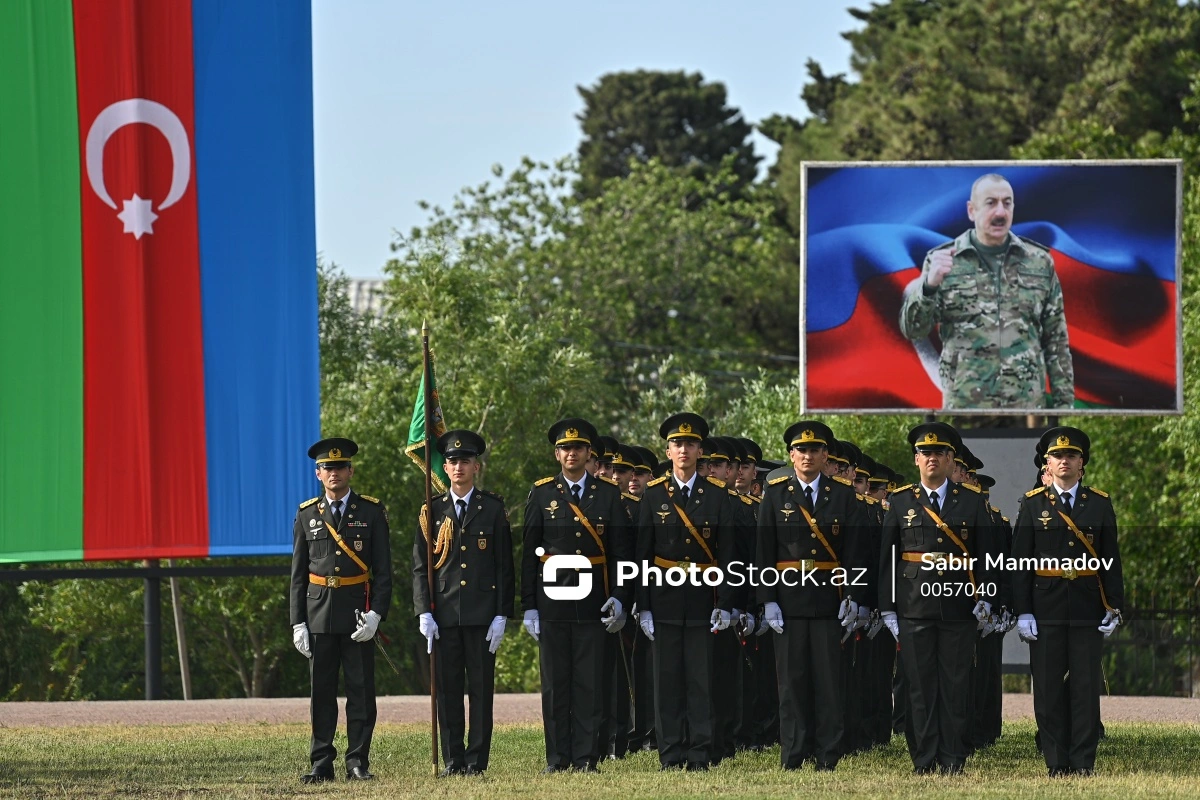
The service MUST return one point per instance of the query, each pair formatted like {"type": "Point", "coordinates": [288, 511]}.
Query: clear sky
{"type": "Point", "coordinates": [413, 101]}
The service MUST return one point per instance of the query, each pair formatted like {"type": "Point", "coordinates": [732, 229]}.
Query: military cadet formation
{"type": "Point", "coordinates": [886, 613]}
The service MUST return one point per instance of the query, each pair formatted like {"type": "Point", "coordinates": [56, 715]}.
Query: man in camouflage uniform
{"type": "Point", "coordinates": [998, 307]}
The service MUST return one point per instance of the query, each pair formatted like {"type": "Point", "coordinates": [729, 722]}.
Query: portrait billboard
{"type": "Point", "coordinates": [1000, 287]}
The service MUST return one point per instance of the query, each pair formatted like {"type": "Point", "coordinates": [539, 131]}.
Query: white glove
{"type": "Point", "coordinates": [734, 616]}
{"type": "Point", "coordinates": [848, 613]}
{"type": "Point", "coordinates": [747, 623]}
{"type": "Point", "coordinates": [429, 630]}
{"type": "Point", "coordinates": [864, 617]}
{"type": "Point", "coordinates": [719, 619]}
{"type": "Point", "coordinates": [763, 627]}
{"type": "Point", "coordinates": [646, 620]}
{"type": "Point", "coordinates": [773, 614]}
{"type": "Point", "coordinates": [1110, 622]}
{"type": "Point", "coordinates": [616, 615]}
{"type": "Point", "coordinates": [368, 623]}
{"type": "Point", "coordinates": [892, 623]}
{"type": "Point", "coordinates": [300, 639]}
{"type": "Point", "coordinates": [982, 610]}
{"type": "Point", "coordinates": [1007, 621]}
{"type": "Point", "coordinates": [1027, 628]}
{"type": "Point", "coordinates": [495, 634]}
{"type": "Point", "coordinates": [533, 623]}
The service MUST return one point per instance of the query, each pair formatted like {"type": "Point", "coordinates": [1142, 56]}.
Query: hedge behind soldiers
{"type": "Point", "coordinates": [998, 305]}
{"type": "Point", "coordinates": [474, 590]}
{"type": "Point", "coordinates": [687, 523]}
{"type": "Point", "coordinates": [574, 514]}
{"type": "Point", "coordinates": [341, 588]}
{"type": "Point", "coordinates": [810, 524]}
{"type": "Point", "coordinates": [937, 604]}
{"type": "Point", "coordinates": [1060, 603]}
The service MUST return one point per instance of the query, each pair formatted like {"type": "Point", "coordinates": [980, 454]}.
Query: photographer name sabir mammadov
{"type": "Point", "coordinates": [949, 561]}
{"type": "Point", "coordinates": [738, 573]}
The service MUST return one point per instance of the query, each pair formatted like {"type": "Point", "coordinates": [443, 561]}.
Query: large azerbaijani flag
{"type": "Point", "coordinates": [158, 342]}
{"type": "Point", "coordinates": [1111, 228]}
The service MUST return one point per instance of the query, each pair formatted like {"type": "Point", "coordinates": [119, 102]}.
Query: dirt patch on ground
{"type": "Point", "coordinates": [509, 708]}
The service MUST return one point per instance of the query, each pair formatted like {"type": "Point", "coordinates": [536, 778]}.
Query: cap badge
{"type": "Point", "coordinates": [457, 443]}
{"type": "Point", "coordinates": [335, 453]}
{"type": "Point", "coordinates": [1063, 441]}
{"type": "Point", "coordinates": [571, 433]}
{"type": "Point", "coordinates": [807, 436]}
{"type": "Point", "coordinates": [931, 438]}
{"type": "Point", "coordinates": [685, 427]}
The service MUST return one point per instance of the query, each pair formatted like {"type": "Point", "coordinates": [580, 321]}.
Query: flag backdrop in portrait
{"type": "Point", "coordinates": [1111, 229]}
{"type": "Point", "coordinates": [157, 246]}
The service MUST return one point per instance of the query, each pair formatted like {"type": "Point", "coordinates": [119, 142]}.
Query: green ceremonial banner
{"type": "Point", "coordinates": [416, 431]}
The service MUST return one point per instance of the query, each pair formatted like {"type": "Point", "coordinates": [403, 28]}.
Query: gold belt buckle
{"type": "Point", "coordinates": [333, 581]}
{"type": "Point", "coordinates": [1070, 574]}
{"type": "Point", "coordinates": [807, 564]}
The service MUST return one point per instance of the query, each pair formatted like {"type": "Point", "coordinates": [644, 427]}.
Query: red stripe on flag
{"type": "Point", "coordinates": [1121, 327]}
{"type": "Point", "coordinates": [145, 490]}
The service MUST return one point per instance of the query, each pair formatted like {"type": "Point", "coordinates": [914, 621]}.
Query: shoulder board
{"type": "Point", "coordinates": [1097, 491]}
{"type": "Point", "coordinates": [860, 496]}
{"type": "Point", "coordinates": [308, 503]}
{"type": "Point", "coordinates": [1038, 490]}
{"type": "Point", "coordinates": [840, 479]}
{"type": "Point", "coordinates": [754, 499]}
{"type": "Point", "coordinates": [1032, 243]}
{"type": "Point", "coordinates": [715, 481]}
{"type": "Point", "coordinates": [902, 488]}
{"type": "Point", "coordinates": [632, 497]}
{"type": "Point", "coordinates": [657, 481]}
{"type": "Point", "coordinates": [870, 500]}
{"type": "Point", "coordinates": [780, 479]}
{"type": "Point", "coordinates": [971, 486]}
{"type": "Point", "coordinates": [370, 499]}
{"type": "Point", "coordinates": [543, 480]}
{"type": "Point", "coordinates": [492, 495]}
{"type": "Point", "coordinates": [607, 480]}
{"type": "Point", "coordinates": [1004, 518]}
{"type": "Point", "coordinates": [994, 509]}
{"type": "Point", "coordinates": [745, 499]}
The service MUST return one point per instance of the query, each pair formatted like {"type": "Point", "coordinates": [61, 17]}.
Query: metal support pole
{"type": "Point", "coordinates": [185, 672]}
{"type": "Point", "coordinates": [152, 611]}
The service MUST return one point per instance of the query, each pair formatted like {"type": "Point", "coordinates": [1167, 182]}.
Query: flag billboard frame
{"type": "Point", "coordinates": [885, 234]}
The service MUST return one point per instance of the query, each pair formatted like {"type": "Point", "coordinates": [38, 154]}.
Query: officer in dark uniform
{"type": "Point", "coordinates": [686, 523]}
{"type": "Point", "coordinates": [989, 650]}
{"type": "Point", "coordinates": [642, 736]}
{"type": "Point", "coordinates": [475, 588]}
{"type": "Point", "coordinates": [932, 605]}
{"type": "Point", "coordinates": [1072, 530]}
{"type": "Point", "coordinates": [812, 530]}
{"type": "Point", "coordinates": [763, 714]}
{"type": "Point", "coordinates": [617, 728]}
{"type": "Point", "coordinates": [879, 646]}
{"type": "Point", "coordinates": [341, 588]}
{"type": "Point", "coordinates": [581, 516]}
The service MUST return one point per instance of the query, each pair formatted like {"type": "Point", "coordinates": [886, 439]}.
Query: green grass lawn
{"type": "Point", "coordinates": [1136, 761]}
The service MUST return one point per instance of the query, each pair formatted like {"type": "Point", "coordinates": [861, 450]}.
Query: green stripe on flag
{"type": "Point", "coordinates": [416, 432]}
{"type": "Point", "coordinates": [41, 273]}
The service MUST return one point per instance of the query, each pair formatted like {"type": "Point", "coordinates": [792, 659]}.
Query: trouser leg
{"type": "Point", "coordinates": [323, 670]}
{"type": "Point", "coordinates": [919, 656]}
{"type": "Point", "coordinates": [481, 686]}
{"type": "Point", "coordinates": [670, 691]}
{"type": "Point", "coordinates": [697, 678]}
{"type": "Point", "coordinates": [1084, 648]}
{"type": "Point", "coordinates": [587, 701]}
{"type": "Point", "coordinates": [1048, 665]}
{"type": "Point", "coordinates": [555, 661]}
{"type": "Point", "coordinates": [955, 651]}
{"type": "Point", "coordinates": [450, 661]}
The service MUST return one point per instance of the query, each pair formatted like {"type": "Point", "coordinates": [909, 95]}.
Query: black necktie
{"type": "Point", "coordinates": [683, 492]}
{"type": "Point", "coordinates": [337, 514]}
{"type": "Point", "coordinates": [576, 493]}
{"type": "Point", "coordinates": [933, 503]}
{"type": "Point", "coordinates": [462, 510]}
{"type": "Point", "coordinates": [808, 500]}
{"type": "Point", "coordinates": [1066, 498]}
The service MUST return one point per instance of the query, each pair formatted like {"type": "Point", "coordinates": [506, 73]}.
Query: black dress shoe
{"type": "Point", "coordinates": [453, 769]}
{"type": "Point", "coordinates": [317, 776]}
{"type": "Point", "coordinates": [359, 774]}
{"type": "Point", "coordinates": [473, 771]}
{"type": "Point", "coordinates": [672, 765]}
{"type": "Point", "coordinates": [924, 769]}
{"type": "Point", "coordinates": [697, 766]}
{"type": "Point", "coordinates": [825, 767]}
{"type": "Point", "coordinates": [550, 769]}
